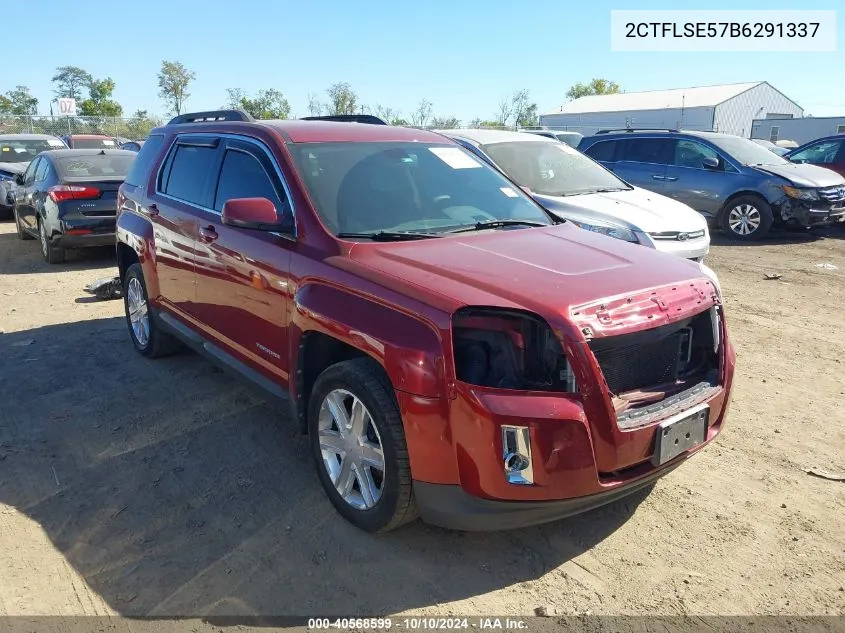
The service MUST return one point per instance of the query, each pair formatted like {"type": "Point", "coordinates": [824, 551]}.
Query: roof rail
{"type": "Point", "coordinates": [348, 118]}
{"type": "Point", "coordinates": [636, 129]}
{"type": "Point", "coordinates": [211, 116]}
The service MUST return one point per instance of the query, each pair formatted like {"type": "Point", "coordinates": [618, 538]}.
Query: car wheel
{"type": "Point", "coordinates": [52, 254]}
{"type": "Point", "coordinates": [22, 234]}
{"type": "Point", "coordinates": [747, 218]}
{"type": "Point", "coordinates": [358, 443]}
{"type": "Point", "coordinates": [148, 339]}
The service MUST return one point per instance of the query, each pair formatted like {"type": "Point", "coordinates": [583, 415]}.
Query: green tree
{"type": "Point", "coordinates": [342, 99]}
{"type": "Point", "coordinates": [99, 102]}
{"type": "Point", "coordinates": [21, 101]}
{"type": "Point", "coordinates": [140, 124]}
{"type": "Point", "coordinates": [445, 123]}
{"type": "Point", "coordinates": [399, 121]}
{"type": "Point", "coordinates": [70, 81]}
{"type": "Point", "coordinates": [529, 117]}
{"type": "Point", "coordinates": [173, 80]}
{"type": "Point", "coordinates": [5, 105]}
{"type": "Point", "coordinates": [267, 104]}
{"type": "Point", "coordinates": [595, 87]}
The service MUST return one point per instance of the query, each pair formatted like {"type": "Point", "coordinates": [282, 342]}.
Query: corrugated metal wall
{"type": "Point", "coordinates": [673, 118]}
{"type": "Point", "coordinates": [799, 130]}
{"type": "Point", "coordinates": [736, 115]}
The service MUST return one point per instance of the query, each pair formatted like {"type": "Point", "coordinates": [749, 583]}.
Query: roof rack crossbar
{"type": "Point", "coordinates": [211, 116]}
{"type": "Point", "coordinates": [348, 118]}
{"type": "Point", "coordinates": [636, 129]}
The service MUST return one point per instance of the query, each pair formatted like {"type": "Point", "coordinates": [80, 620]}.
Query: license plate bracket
{"type": "Point", "coordinates": [680, 433]}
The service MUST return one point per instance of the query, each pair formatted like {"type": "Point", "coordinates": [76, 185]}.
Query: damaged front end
{"type": "Point", "coordinates": [810, 206]}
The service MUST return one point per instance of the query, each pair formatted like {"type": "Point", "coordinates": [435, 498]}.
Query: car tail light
{"type": "Point", "coordinates": [60, 193]}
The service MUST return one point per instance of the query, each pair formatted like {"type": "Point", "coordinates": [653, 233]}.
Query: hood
{"type": "Point", "coordinates": [14, 168]}
{"type": "Point", "coordinates": [551, 271]}
{"type": "Point", "coordinates": [803, 175]}
{"type": "Point", "coordinates": [636, 209]}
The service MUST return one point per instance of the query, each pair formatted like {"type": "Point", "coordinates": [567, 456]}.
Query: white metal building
{"type": "Point", "coordinates": [800, 130]}
{"type": "Point", "coordinates": [729, 108]}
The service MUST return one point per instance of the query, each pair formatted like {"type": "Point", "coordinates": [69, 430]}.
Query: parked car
{"type": "Point", "coordinates": [743, 187]}
{"type": "Point", "coordinates": [89, 141]}
{"type": "Point", "coordinates": [67, 198]}
{"type": "Point", "coordinates": [132, 146]}
{"type": "Point", "coordinates": [780, 151]}
{"type": "Point", "coordinates": [16, 152]}
{"type": "Point", "coordinates": [451, 349]}
{"type": "Point", "coordinates": [575, 187]}
{"type": "Point", "coordinates": [570, 138]}
{"type": "Point", "coordinates": [828, 152]}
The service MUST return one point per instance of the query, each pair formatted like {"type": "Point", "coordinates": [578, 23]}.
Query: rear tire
{"type": "Point", "coordinates": [368, 479]}
{"type": "Point", "coordinates": [146, 336]}
{"type": "Point", "coordinates": [52, 254]}
{"type": "Point", "coordinates": [746, 218]}
{"type": "Point", "coordinates": [22, 234]}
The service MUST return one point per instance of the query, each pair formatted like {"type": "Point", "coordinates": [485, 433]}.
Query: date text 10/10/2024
{"type": "Point", "coordinates": [417, 623]}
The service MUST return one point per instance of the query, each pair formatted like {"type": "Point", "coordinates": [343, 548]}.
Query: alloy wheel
{"type": "Point", "coordinates": [744, 219]}
{"type": "Point", "coordinates": [136, 305]}
{"type": "Point", "coordinates": [351, 449]}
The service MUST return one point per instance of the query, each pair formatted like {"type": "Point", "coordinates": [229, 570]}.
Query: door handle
{"type": "Point", "coordinates": [670, 178]}
{"type": "Point", "coordinates": [208, 234]}
{"type": "Point", "coordinates": [658, 177]}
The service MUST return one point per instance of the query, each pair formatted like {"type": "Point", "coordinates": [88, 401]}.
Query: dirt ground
{"type": "Point", "coordinates": [140, 487]}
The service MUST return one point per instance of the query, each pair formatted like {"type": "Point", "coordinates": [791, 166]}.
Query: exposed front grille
{"type": "Point", "coordinates": [644, 364]}
{"type": "Point", "coordinates": [833, 194]}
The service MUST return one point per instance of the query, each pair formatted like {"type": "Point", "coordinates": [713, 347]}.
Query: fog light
{"type": "Point", "coordinates": [516, 455]}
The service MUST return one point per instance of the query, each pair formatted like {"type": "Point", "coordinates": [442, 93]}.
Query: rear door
{"type": "Point", "coordinates": [243, 278]}
{"type": "Point", "coordinates": [183, 191]}
{"type": "Point", "coordinates": [642, 161]}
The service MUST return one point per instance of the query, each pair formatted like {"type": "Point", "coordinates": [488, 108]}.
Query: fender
{"type": "Point", "coordinates": [409, 349]}
{"type": "Point", "coordinates": [136, 232]}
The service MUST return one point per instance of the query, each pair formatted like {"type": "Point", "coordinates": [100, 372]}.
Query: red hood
{"type": "Point", "coordinates": [555, 271]}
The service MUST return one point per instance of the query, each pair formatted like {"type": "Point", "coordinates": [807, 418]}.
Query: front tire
{"type": "Point", "coordinates": [146, 336]}
{"type": "Point", "coordinates": [746, 218]}
{"type": "Point", "coordinates": [358, 443]}
{"type": "Point", "coordinates": [52, 254]}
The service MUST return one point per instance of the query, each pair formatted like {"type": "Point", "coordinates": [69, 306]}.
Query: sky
{"type": "Point", "coordinates": [461, 55]}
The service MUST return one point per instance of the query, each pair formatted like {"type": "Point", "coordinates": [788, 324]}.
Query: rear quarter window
{"type": "Point", "coordinates": [139, 171]}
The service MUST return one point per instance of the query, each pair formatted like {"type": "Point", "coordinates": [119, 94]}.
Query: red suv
{"type": "Point", "coordinates": [452, 350]}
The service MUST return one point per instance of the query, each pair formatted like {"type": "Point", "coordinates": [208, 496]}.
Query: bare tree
{"type": "Point", "coordinates": [504, 112]}
{"type": "Point", "coordinates": [315, 108]}
{"type": "Point", "coordinates": [445, 123]}
{"type": "Point", "coordinates": [342, 99]}
{"type": "Point", "coordinates": [420, 116]}
{"type": "Point", "coordinates": [519, 105]}
{"type": "Point", "coordinates": [386, 113]}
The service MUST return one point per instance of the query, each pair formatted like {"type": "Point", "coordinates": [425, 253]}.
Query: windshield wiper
{"type": "Point", "coordinates": [496, 224]}
{"type": "Point", "coordinates": [388, 236]}
{"type": "Point", "coordinates": [608, 190]}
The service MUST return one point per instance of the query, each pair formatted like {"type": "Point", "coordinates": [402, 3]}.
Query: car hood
{"type": "Point", "coordinates": [557, 271]}
{"type": "Point", "coordinates": [14, 168]}
{"type": "Point", "coordinates": [804, 175]}
{"type": "Point", "coordinates": [636, 209]}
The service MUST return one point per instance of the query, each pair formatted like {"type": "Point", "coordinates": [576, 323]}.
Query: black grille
{"type": "Point", "coordinates": [643, 364]}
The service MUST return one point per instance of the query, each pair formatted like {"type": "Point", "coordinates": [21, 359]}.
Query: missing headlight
{"type": "Point", "coordinates": [509, 350]}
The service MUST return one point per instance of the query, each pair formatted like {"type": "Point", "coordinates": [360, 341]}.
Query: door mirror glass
{"type": "Point", "coordinates": [710, 162]}
{"type": "Point", "coordinates": [252, 213]}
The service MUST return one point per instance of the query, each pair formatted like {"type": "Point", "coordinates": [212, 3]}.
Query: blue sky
{"type": "Point", "coordinates": [462, 55]}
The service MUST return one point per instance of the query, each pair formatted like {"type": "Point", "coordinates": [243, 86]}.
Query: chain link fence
{"type": "Point", "coordinates": [120, 128]}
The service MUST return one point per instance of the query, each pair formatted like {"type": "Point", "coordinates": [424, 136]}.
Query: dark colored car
{"type": "Point", "coordinates": [89, 141]}
{"type": "Point", "coordinates": [16, 152]}
{"type": "Point", "coordinates": [451, 349]}
{"type": "Point", "coordinates": [828, 152]}
{"type": "Point", "coordinates": [68, 199]}
{"type": "Point", "coordinates": [132, 146]}
{"type": "Point", "coordinates": [740, 185]}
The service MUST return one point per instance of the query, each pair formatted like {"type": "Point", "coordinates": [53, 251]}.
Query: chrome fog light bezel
{"type": "Point", "coordinates": [516, 455]}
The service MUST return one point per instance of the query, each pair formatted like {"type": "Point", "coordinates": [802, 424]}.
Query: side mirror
{"type": "Point", "coordinates": [252, 213]}
{"type": "Point", "coordinates": [18, 179]}
{"type": "Point", "coordinates": [710, 163]}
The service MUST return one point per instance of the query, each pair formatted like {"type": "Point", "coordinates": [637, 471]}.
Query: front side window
{"type": "Point", "coordinates": [407, 187]}
{"type": "Point", "coordinates": [823, 153]}
{"type": "Point", "coordinates": [692, 154]}
{"type": "Point", "coordinates": [29, 175]}
{"type": "Point", "coordinates": [41, 171]}
{"type": "Point", "coordinates": [189, 173]}
{"type": "Point", "coordinates": [243, 176]}
{"type": "Point", "coordinates": [552, 169]}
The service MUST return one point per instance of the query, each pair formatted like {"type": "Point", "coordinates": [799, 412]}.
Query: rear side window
{"type": "Point", "coordinates": [660, 151]}
{"type": "Point", "coordinates": [601, 151]}
{"type": "Point", "coordinates": [189, 171]}
{"type": "Point", "coordinates": [141, 165]}
{"type": "Point", "coordinates": [243, 176]}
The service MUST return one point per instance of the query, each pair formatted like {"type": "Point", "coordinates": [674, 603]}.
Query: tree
{"type": "Point", "coordinates": [315, 108]}
{"type": "Point", "coordinates": [5, 105]}
{"type": "Point", "coordinates": [445, 123]}
{"type": "Point", "coordinates": [420, 116]}
{"type": "Point", "coordinates": [504, 112]}
{"type": "Point", "coordinates": [399, 121]}
{"type": "Point", "coordinates": [267, 104]}
{"type": "Point", "coordinates": [524, 112]}
{"type": "Point", "coordinates": [21, 101]}
{"type": "Point", "coordinates": [99, 101]}
{"type": "Point", "coordinates": [595, 87]}
{"type": "Point", "coordinates": [140, 124]}
{"type": "Point", "coordinates": [342, 99]}
{"type": "Point", "coordinates": [173, 80]}
{"type": "Point", "coordinates": [70, 81]}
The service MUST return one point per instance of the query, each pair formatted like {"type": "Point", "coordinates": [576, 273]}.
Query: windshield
{"type": "Point", "coordinates": [107, 167]}
{"type": "Point", "coordinates": [398, 186]}
{"type": "Point", "coordinates": [745, 151]}
{"type": "Point", "coordinates": [552, 169]}
{"type": "Point", "coordinates": [23, 151]}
